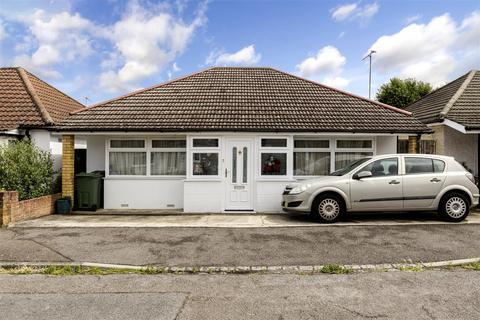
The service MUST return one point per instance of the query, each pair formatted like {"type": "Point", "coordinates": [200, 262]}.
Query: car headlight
{"type": "Point", "coordinates": [300, 189]}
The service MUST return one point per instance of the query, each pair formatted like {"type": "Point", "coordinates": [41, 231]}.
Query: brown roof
{"type": "Point", "coordinates": [242, 99]}
{"type": "Point", "coordinates": [27, 101]}
{"type": "Point", "coordinates": [458, 101]}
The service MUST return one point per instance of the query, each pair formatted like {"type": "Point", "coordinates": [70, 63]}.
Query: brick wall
{"type": "Point", "coordinates": [12, 210]}
{"type": "Point", "coordinates": [68, 163]}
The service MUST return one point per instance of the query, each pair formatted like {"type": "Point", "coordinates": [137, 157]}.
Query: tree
{"type": "Point", "coordinates": [401, 93]}
{"type": "Point", "coordinates": [26, 169]}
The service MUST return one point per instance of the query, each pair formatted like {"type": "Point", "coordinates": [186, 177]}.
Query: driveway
{"type": "Point", "coordinates": [312, 244]}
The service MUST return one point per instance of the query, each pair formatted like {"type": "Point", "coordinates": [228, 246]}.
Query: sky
{"type": "Point", "coordinates": [95, 50]}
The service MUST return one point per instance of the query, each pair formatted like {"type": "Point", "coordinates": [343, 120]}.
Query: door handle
{"type": "Point", "coordinates": [226, 172]}
{"type": "Point", "coordinates": [435, 180]}
{"type": "Point", "coordinates": [394, 182]}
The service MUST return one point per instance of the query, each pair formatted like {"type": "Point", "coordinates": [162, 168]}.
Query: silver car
{"type": "Point", "coordinates": [396, 182]}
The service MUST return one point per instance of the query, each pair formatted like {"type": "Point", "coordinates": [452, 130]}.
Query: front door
{"type": "Point", "coordinates": [238, 175]}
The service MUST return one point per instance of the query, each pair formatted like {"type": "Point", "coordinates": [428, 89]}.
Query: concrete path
{"type": "Point", "coordinates": [231, 221]}
{"type": "Point", "coordinates": [387, 295]}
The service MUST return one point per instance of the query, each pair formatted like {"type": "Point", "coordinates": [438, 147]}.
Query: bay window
{"type": "Point", "coordinates": [127, 157]}
{"type": "Point", "coordinates": [349, 150]}
{"type": "Point", "coordinates": [167, 158]}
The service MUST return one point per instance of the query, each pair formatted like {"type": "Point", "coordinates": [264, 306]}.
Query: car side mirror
{"type": "Point", "coordinates": [362, 174]}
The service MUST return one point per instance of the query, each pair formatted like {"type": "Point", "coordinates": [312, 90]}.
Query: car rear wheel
{"type": "Point", "coordinates": [454, 207]}
{"type": "Point", "coordinates": [328, 208]}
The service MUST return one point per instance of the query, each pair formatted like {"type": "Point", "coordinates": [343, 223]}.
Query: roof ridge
{"type": "Point", "coordinates": [36, 100]}
{"type": "Point", "coordinates": [346, 92]}
{"type": "Point", "coordinates": [142, 90]}
{"type": "Point", "coordinates": [457, 94]}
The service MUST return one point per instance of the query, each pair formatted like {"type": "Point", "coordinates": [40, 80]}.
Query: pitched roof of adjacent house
{"type": "Point", "coordinates": [242, 99]}
{"type": "Point", "coordinates": [27, 101]}
{"type": "Point", "coordinates": [458, 101]}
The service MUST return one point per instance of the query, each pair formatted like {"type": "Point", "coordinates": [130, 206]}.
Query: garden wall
{"type": "Point", "coordinates": [12, 210]}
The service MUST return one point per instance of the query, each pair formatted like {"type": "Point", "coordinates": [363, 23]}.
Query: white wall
{"type": "Point", "coordinates": [464, 147]}
{"type": "Point", "coordinates": [143, 194]}
{"type": "Point", "coordinates": [203, 196]}
{"type": "Point", "coordinates": [95, 153]}
{"type": "Point", "coordinates": [386, 144]}
{"type": "Point", "coordinates": [269, 195]}
{"type": "Point", "coordinates": [41, 138]}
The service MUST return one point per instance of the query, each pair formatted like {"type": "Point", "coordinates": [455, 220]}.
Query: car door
{"type": "Point", "coordinates": [424, 178]}
{"type": "Point", "coordinates": [382, 190]}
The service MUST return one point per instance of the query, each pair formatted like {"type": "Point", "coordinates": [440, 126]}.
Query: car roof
{"type": "Point", "coordinates": [419, 155]}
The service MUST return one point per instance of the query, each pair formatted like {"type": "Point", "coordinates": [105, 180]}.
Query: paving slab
{"type": "Point", "coordinates": [231, 221]}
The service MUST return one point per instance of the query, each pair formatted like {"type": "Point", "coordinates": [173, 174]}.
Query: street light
{"type": "Point", "coordinates": [369, 55]}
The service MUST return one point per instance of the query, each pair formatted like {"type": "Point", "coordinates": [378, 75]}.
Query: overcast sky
{"type": "Point", "coordinates": [102, 49]}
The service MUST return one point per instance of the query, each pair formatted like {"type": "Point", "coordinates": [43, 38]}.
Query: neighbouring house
{"type": "Point", "coordinates": [227, 139]}
{"type": "Point", "coordinates": [453, 112]}
{"type": "Point", "coordinates": [28, 105]}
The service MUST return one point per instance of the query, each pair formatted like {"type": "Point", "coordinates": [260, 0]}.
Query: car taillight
{"type": "Point", "coordinates": [470, 177]}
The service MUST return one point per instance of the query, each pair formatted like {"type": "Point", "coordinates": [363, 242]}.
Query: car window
{"type": "Point", "coordinates": [415, 165]}
{"type": "Point", "coordinates": [382, 167]}
{"type": "Point", "coordinates": [438, 165]}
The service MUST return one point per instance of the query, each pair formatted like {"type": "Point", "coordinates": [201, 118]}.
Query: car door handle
{"type": "Point", "coordinates": [394, 182]}
{"type": "Point", "coordinates": [435, 180]}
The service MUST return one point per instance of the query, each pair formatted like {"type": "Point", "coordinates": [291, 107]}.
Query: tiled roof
{"type": "Point", "coordinates": [27, 101]}
{"type": "Point", "coordinates": [458, 101]}
{"type": "Point", "coordinates": [242, 99]}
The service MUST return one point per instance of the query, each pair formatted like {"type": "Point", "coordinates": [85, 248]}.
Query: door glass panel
{"type": "Point", "coordinates": [383, 167]}
{"type": "Point", "coordinates": [234, 165]}
{"type": "Point", "coordinates": [245, 164]}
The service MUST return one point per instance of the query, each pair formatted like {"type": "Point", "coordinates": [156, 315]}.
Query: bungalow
{"type": "Point", "coordinates": [453, 113]}
{"type": "Point", "coordinates": [28, 105]}
{"type": "Point", "coordinates": [227, 139]}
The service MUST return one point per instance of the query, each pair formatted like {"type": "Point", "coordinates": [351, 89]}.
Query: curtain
{"type": "Point", "coordinates": [128, 163]}
{"type": "Point", "coordinates": [342, 159]}
{"type": "Point", "coordinates": [168, 163]}
{"type": "Point", "coordinates": [311, 163]}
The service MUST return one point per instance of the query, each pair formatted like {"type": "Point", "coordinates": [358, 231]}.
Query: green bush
{"type": "Point", "coordinates": [26, 169]}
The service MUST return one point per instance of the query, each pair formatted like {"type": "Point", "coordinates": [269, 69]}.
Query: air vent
{"type": "Point", "coordinates": [170, 205]}
{"type": "Point", "coordinates": [124, 205]}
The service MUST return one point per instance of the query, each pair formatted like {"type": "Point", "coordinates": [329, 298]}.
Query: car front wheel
{"type": "Point", "coordinates": [328, 208]}
{"type": "Point", "coordinates": [454, 207]}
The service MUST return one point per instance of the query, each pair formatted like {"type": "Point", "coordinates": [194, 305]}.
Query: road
{"type": "Point", "coordinates": [379, 295]}
{"type": "Point", "coordinates": [242, 246]}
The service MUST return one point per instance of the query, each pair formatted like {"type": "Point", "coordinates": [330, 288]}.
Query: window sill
{"type": "Point", "coordinates": [276, 179]}
{"type": "Point", "coordinates": [215, 179]}
{"type": "Point", "coordinates": [144, 178]}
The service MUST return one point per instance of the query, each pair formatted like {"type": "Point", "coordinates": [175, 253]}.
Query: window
{"type": "Point", "coordinates": [167, 158]}
{"type": "Point", "coordinates": [127, 158]}
{"type": "Point", "coordinates": [127, 143]}
{"type": "Point", "coordinates": [205, 164]}
{"type": "Point", "coordinates": [382, 168]}
{"type": "Point", "coordinates": [343, 159]}
{"type": "Point", "coordinates": [274, 164]}
{"type": "Point", "coordinates": [415, 165]}
{"type": "Point", "coordinates": [128, 163]}
{"type": "Point", "coordinates": [311, 157]}
{"type": "Point", "coordinates": [274, 143]}
{"type": "Point", "coordinates": [354, 144]}
{"type": "Point", "coordinates": [273, 156]}
{"type": "Point", "coordinates": [205, 143]}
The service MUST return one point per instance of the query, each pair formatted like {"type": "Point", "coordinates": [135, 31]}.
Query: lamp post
{"type": "Point", "coordinates": [369, 56]}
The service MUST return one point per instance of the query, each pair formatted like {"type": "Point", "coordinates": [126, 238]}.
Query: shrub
{"type": "Point", "coordinates": [26, 169]}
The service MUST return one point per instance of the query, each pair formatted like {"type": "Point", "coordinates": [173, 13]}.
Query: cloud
{"type": "Point", "coordinates": [412, 19]}
{"type": "Point", "coordinates": [430, 51]}
{"type": "Point", "coordinates": [343, 12]}
{"type": "Point", "coordinates": [245, 56]}
{"type": "Point", "coordinates": [145, 42]}
{"type": "Point", "coordinates": [55, 39]}
{"type": "Point", "coordinates": [327, 64]}
{"type": "Point", "coordinates": [327, 60]}
{"type": "Point", "coordinates": [353, 11]}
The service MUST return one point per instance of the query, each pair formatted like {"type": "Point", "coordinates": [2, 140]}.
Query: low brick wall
{"type": "Point", "coordinates": [12, 210]}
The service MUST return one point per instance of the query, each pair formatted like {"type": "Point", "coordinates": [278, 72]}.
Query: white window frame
{"type": "Point", "coordinates": [335, 149]}
{"type": "Point", "coordinates": [288, 150]}
{"type": "Point", "coordinates": [191, 150]}
{"type": "Point", "coordinates": [148, 149]}
{"type": "Point", "coordinates": [324, 150]}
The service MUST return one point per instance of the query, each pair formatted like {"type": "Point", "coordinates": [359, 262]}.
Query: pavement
{"type": "Point", "coordinates": [364, 240]}
{"type": "Point", "coordinates": [378, 295]}
{"type": "Point", "coordinates": [124, 220]}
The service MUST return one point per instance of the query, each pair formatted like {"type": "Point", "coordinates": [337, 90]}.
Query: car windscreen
{"type": "Point", "coordinates": [349, 167]}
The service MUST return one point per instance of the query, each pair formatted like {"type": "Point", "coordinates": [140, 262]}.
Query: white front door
{"type": "Point", "coordinates": [238, 174]}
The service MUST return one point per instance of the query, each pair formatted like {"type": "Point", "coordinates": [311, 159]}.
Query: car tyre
{"type": "Point", "coordinates": [328, 208]}
{"type": "Point", "coordinates": [454, 207]}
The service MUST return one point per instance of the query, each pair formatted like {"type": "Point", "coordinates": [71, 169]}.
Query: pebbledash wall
{"type": "Point", "coordinates": [12, 210]}
{"type": "Point", "coordinates": [206, 194]}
